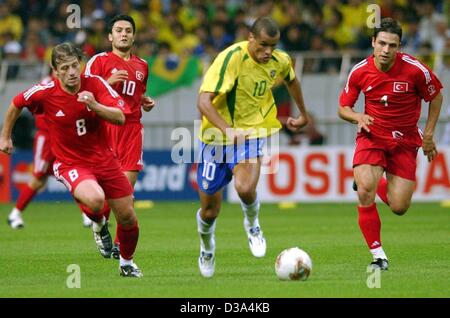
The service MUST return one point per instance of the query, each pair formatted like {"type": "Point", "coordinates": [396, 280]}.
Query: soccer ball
{"type": "Point", "coordinates": [293, 264]}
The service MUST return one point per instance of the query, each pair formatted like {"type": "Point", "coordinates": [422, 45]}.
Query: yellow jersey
{"type": "Point", "coordinates": [243, 92]}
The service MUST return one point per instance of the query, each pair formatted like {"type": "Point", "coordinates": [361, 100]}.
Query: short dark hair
{"type": "Point", "coordinates": [63, 52]}
{"type": "Point", "coordinates": [121, 17]}
{"type": "Point", "coordinates": [388, 25]}
{"type": "Point", "coordinates": [267, 24]}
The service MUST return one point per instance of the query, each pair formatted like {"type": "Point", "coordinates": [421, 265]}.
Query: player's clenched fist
{"type": "Point", "coordinates": [148, 103]}
{"type": "Point", "coordinates": [87, 98]}
{"type": "Point", "coordinates": [6, 145]}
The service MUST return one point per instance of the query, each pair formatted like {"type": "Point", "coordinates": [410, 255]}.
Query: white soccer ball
{"type": "Point", "coordinates": [293, 264]}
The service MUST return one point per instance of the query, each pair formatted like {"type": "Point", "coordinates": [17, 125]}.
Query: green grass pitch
{"type": "Point", "coordinates": [34, 260]}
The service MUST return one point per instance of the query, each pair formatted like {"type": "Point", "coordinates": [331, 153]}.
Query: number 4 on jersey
{"type": "Point", "coordinates": [384, 100]}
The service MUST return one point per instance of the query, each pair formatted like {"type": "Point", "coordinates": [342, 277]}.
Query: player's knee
{"type": "Point", "coordinates": [365, 195]}
{"type": "Point", "coordinates": [125, 214]}
{"type": "Point", "coordinates": [399, 209]}
{"type": "Point", "coordinates": [244, 189]}
{"type": "Point", "coordinates": [95, 203]}
{"type": "Point", "coordinates": [210, 213]}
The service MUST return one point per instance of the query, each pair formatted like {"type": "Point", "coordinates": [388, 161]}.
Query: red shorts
{"type": "Point", "coordinates": [42, 155]}
{"type": "Point", "coordinates": [396, 152]}
{"type": "Point", "coordinates": [126, 143]}
{"type": "Point", "coordinates": [107, 174]}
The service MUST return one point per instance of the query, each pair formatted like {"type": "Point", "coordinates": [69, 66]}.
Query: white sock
{"type": "Point", "coordinates": [15, 213]}
{"type": "Point", "coordinates": [251, 212]}
{"type": "Point", "coordinates": [378, 253]}
{"type": "Point", "coordinates": [97, 227]}
{"type": "Point", "coordinates": [125, 262]}
{"type": "Point", "coordinates": [206, 231]}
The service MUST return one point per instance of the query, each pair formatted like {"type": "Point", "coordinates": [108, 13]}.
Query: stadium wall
{"type": "Point", "coordinates": [305, 174]}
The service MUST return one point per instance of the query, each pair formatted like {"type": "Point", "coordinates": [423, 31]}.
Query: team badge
{"type": "Point", "coordinates": [272, 73]}
{"type": "Point", "coordinates": [205, 184]}
{"type": "Point", "coordinates": [139, 76]}
{"type": "Point", "coordinates": [400, 87]}
{"type": "Point", "coordinates": [431, 89]}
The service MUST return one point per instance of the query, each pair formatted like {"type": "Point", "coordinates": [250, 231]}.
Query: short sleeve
{"type": "Point", "coordinates": [427, 83]}
{"type": "Point", "coordinates": [31, 99]}
{"type": "Point", "coordinates": [222, 74]}
{"type": "Point", "coordinates": [288, 73]}
{"type": "Point", "coordinates": [350, 92]}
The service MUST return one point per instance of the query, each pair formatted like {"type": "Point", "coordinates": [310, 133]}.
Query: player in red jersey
{"type": "Point", "coordinates": [128, 75]}
{"type": "Point", "coordinates": [42, 168]}
{"type": "Point", "coordinates": [76, 108]}
{"type": "Point", "coordinates": [388, 138]}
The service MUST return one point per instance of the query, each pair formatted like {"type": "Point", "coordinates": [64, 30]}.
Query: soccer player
{"type": "Point", "coordinates": [42, 168]}
{"type": "Point", "coordinates": [128, 75]}
{"type": "Point", "coordinates": [388, 138]}
{"type": "Point", "coordinates": [76, 108]}
{"type": "Point", "coordinates": [239, 114]}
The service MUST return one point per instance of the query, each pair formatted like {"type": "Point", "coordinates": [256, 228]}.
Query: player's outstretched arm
{"type": "Point", "coordinates": [11, 116]}
{"type": "Point", "coordinates": [362, 120]}
{"type": "Point", "coordinates": [428, 144]}
{"type": "Point", "coordinates": [295, 124]}
{"type": "Point", "coordinates": [111, 114]}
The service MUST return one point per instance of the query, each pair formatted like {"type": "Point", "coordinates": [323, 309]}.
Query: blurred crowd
{"type": "Point", "coordinates": [29, 28]}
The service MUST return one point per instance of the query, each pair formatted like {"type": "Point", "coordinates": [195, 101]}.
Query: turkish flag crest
{"type": "Point", "coordinates": [400, 87]}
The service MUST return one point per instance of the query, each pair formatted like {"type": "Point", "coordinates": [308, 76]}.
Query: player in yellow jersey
{"type": "Point", "coordinates": [239, 113]}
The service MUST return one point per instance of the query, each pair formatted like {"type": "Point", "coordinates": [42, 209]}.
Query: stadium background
{"type": "Point", "coordinates": [326, 37]}
{"type": "Point", "coordinates": [180, 38]}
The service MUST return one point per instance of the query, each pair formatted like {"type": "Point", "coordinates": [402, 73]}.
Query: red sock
{"type": "Point", "coordinates": [96, 217]}
{"type": "Point", "coordinates": [128, 238]}
{"type": "Point", "coordinates": [382, 190]}
{"type": "Point", "coordinates": [25, 197]}
{"type": "Point", "coordinates": [370, 225]}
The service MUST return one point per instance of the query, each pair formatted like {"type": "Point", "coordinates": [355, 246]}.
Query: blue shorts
{"type": "Point", "coordinates": [216, 162]}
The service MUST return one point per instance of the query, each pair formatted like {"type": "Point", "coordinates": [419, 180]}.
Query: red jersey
{"type": "Point", "coordinates": [107, 63]}
{"type": "Point", "coordinates": [39, 119]}
{"type": "Point", "coordinates": [77, 134]}
{"type": "Point", "coordinates": [392, 98]}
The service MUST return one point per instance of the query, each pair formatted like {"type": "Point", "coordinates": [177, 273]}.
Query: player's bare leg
{"type": "Point", "coordinates": [132, 176]}
{"type": "Point", "coordinates": [400, 191]}
{"type": "Point", "coordinates": [367, 178]}
{"type": "Point", "coordinates": [26, 195]}
{"type": "Point", "coordinates": [128, 234]}
{"type": "Point", "coordinates": [246, 176]}
{"type": "Point", "coordinates": [206, 226]}
{"type": "Point", "coordinates": [91, 195]}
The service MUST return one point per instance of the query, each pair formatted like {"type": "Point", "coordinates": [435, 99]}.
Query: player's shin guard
{"type": "Point", "coordinates": [370, 225]}
{"type": "Point", "coordinates": [382, 190]}
{"type": "Point", "coordinates": [206, 231]}
{"type": "Point", "coordinates": [25, 197]}
{"type": "Point", "coordinates": [128, 237]}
